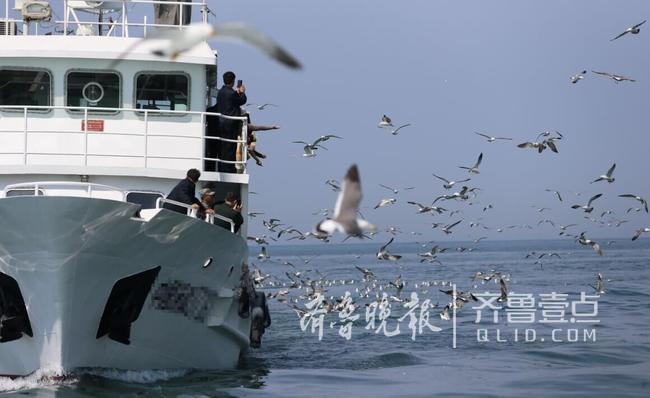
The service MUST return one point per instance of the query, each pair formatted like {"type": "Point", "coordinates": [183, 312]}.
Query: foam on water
{"type": "Point", "coordinates": [40, 379]}
{"type": "Point", "coordinates": [137, 376]}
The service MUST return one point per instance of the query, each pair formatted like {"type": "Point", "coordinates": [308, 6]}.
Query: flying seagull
{"type": "Point", "coordinates": [608, 176]}
{"type": "Point", "coordinates": [556, 193]}
{"type": "Point", "coordinates": [644, 203]}
{"type": "Point", "coordinates": [638, 233]}
{"type": "Point", "coordinates": [632, 29]}
{"type": "Point", "coordinates": [587, 208]}
{"type": "Point", "coordinates": [174, 42]}
{"type": "Point", "coordinates": [449, 184]}
{"type": "Point", "coordinates": [395, 191]}
{"type": "Point", "coordinates": [385, 202]}
{"type": "Point", "coordinates": [583, 240]}
{"type": "Point", "coordinates": [474, 169]}
{"type": "Point", "coordinates": [310, 149]}
{"type": "Point", "coordinates": [347, 206]}
{"type": "Point", "coordinates": [492, 139]}
{"type": "Point", "coordinates": [616, 78]}
{"type": "Point", "coordinates": [578, 77]}
{"type": "Point", "coordinates": [383, 254]}
{"type": "Point", "coordinates": [335, 185]}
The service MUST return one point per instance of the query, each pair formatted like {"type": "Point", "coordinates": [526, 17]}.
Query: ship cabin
{"type": "Point", "coordinates": [79, 116]}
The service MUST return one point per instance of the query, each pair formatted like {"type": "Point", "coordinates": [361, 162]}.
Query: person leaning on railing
{"type": "Point", "coordinates": [229, 208]}
{"type": "Point", "coordinates": [184, 192]}
{"type": "Point", "coordinates": [251, 141]}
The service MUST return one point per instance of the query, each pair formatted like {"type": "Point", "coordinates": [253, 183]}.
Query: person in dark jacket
{"type": "Point", "coordinates": [184, 192]}
{"type": "Point", "coordinates": [229, 102]}
{"type": "Point", "coordinates": [230, 208]}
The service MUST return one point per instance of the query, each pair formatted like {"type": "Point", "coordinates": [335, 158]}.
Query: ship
{"type": "Point", "coordinates": [95, 272]}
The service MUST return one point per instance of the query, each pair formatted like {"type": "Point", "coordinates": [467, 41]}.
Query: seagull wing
{"type": "Point", "coordinates": [349, 198]}
{"type": "Point", "coordinates": [503, 138]}
{"type": "Point", "coordinates": [639, 24]}
{"type": "Point", "coordinates": [441, 178]}
{"type": "Point", "coordinates": [594, 198]}
{"type": "Point", "coordinates": [258, 40]}
{"type": "Point", "coordinates": [482, 135]}
{"type": "Point", "coordinates": [450, 226]}
{"type": "Point", "coordinates": [387, 187]}
{"type": "Point", "coordinates": [400, 127]}
{"type": "Point", "coordinates": [478, 162]}
{"type": "Point", "coordinates": [602, 73]}
{"type": "Point", "coordinates": [611, 170]}
{"type": "Point", "coordinates": [386, 245]}
{"type": "Point", "coordinates": [622, 34]}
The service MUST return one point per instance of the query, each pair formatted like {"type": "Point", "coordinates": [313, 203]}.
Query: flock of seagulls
{"type": "Point", "coordinates": [346, 219]}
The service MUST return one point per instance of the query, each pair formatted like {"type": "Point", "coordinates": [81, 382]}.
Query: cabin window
{"type": "Point", "coordinates": [162, 91]}
{"type": "Point", "coordinates": [146, 200]}
{"type": "Point", "coordinates": [23, 192]}
{"type": "Point", "coordinates": [93, 89]}
{"type": "Point", "coordinates": [25, 87]}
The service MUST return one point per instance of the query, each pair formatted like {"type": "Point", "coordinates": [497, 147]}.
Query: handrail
{"type": "Point", "coordinates": [38, 185]}
{"type": "Point", "coordinates": [192, 212]}
{"type": "Point", "coordinates": [145, 116]}
{"type": "Point", "coordinates": [71, 18]}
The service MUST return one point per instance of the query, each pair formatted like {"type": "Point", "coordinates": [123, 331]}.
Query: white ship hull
{"type": "Point", "coordinates": [66, 255]}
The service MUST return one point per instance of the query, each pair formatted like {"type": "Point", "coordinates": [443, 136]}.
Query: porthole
{"type": "Point", "coordinates": [93, 92]}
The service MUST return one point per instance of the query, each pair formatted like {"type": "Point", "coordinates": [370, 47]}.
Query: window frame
{"type": "Point", "coordinates": [32, 69]}
{"type": "Point", "coordinates": [90, 110]}
{"type": "Point", "coordinates": [140, 112]}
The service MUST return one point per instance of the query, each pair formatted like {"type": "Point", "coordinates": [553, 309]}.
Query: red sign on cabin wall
{"type": "Point", "coordinates": [93, 125]}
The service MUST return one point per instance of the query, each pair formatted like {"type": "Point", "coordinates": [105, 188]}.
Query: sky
{"type": "Point", "coordinates": [449, 68]}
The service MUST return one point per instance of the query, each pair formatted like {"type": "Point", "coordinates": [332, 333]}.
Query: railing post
{"type": "Point", "coordinates": [25, 136]}
{"type": "Point", "coordinates": [65, 17]}
{"type": "Point", "coordinates": [86, 136]}
{"type": "Point", "coordinates": [124, 34]}
{"type": "Point", "coordinates": [146, 136]}
{"type": "Point", "coordinates": [203, 138]}
{"type": "Point", "coordinates": [244, 152]}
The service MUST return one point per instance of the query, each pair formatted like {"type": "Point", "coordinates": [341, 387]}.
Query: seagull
{"type": "Point", "coordinates": [383, 254]}
{"type": "Point", "coordinates": [563, 228]}
{"type": "Point", "coordinates": [607, 177]}
{"type": "Point", "coordinates": [632, 29]}
{"type": "Point", "coordinates": [447, 228]}
{"type": "Point", "coordinates": [616, 78]}
{"type": "Point", "coordinates": [492, 139]}
{"type": "Point", "coordinates": [385, 202]}
{"type": "Point", "coordinates": [385, 122]}
{"type": "Point", "coordinates": [264, 255]}
{"type": "Point", "coordinates": [600, 284]}
{"type": "Point", "coordinates": [258, 240]}
{"type": "Point", "coordinates": [644, 203]}
{"type": "Point", "coordinates": [170, 43]}
{"type": "Point", "coordinates": [444, 315]}
{"type": "Point", "coordinates": [310, 149]}
{"type": "Point", "coordinates": [556, 193]}
{"type": "Point", "coordinates": [347, 205]}
{"type": "Point", "coordinates": [474, 169]}
{"type": "Point", "coordinates": [396, 130]}
{"type": "Point", "coordinates": [367, 274]}
{"type": "Point", "coordinates": [504, 290]}
{"type": "Point", "coordinates": [395, 191]}
{"type": "Point", "coordinates": [263, 106]}
{"type": "Point", "coordinates": [253, 214]}
{"type": "Point", "coordinates": [583, 240]}
{"type": "Point", "coordinates": [449, 184]}
{"type": "Point", "coordinates": [427, 209]}
{"type": "Point", "coordinates": [462, 194]}
{"type": "Point", "coordinates": [578, 77]}
{"type": "Point", "coordinates": [540, 146]}
{"type": "Point", "coordinates": [638, 233]}
{"type": "Point", "coordinates": [271, 224]}
{"type": "Point", "coordinates": [587, 208]}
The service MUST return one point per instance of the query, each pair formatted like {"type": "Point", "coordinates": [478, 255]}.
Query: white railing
{"type": "Point", "coordinates": [145, 121]}
{"type": "Point", "coordinates": [81, 189]}
{"type": "Point", "coordinates": [193, 212]}
{"type": "Point", "coordinates": [73, 10]}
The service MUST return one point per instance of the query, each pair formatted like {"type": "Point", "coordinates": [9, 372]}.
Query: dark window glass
{"type": "Point", "coordinates": [25, 87]}
{"type": "Point", "coordinates": [23, 192]}
{"type": "Point", "coordinates": [93, 89]}
{"type": "Point", "coordinates": [164, 92]}
{"type": "Point", "coordinates": [147, 200]}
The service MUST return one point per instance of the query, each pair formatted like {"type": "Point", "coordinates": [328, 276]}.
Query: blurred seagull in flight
{"type": "Point", "coordinates": [616, 78]}
{"type": "Point", "coordinates": [608, 176]}
{"type": "Point", "coordinates": [556, 193]}
{"type": "Point", "coordinates": [474, 169]}
{"type": "Point", "coordinates": [578, 77]}
{"type": "Point", "coordinates": [583, 240]}
{"type": "Point", "coordinates": [345, 218]}
{"type": "Point", "coordinates": [632, 29]}
{"type": "Point", "coordinates": [385, 202]}
{"type": "Point", "coordinates": [492, 139]}
{"type": "Point", "coordinates": [174, 42]}
{"type": "Point", "coordinates": [335, 185]}
{"type": "Point", "coordinates": [638, 233]}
